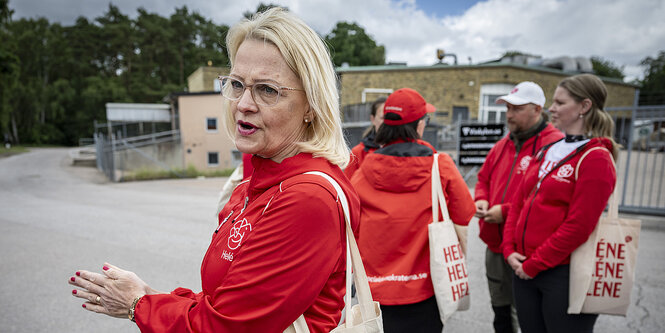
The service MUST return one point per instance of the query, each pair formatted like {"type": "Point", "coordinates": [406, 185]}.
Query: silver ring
{"type": "Point", "coordinates": [98, 299]}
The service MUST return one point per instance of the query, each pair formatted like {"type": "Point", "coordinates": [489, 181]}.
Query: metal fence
{"type": "Point", "coordinates": [641, 164]}
{"type": "Point", "coordinates": [640, 168]}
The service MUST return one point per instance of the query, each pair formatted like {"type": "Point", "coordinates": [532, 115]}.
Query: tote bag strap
{"type": "Point", "coordinates": [613, 209]}
{"type": "Point", "coordinates": [438, 199]}
{"type": "Point", "coordinates": [367, 309]}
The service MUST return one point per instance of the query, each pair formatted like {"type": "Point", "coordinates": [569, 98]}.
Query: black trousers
{"type": "Point", "coordinates": [421, 317]}
{"type": "Point", "coordinates": [542, 303]}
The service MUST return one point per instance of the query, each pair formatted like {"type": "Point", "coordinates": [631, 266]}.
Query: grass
{"type": "Point", "coordinates": [13, 150]}
{"type": "Point", "coordinates": [190, 172]}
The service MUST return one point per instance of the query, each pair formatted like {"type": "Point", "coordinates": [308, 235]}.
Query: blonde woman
{"type": "Point", "coordinates": [279, 250]}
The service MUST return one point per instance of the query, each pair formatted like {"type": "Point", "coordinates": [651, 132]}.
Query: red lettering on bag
{"type": "Point", "coordinates": [607, 250]}
{"type": "Point", "coordinates": [460, 290]}
{"type": "Point", "coordinates": [619, 269]}
{"type": "Point", "coordinates": [616, 250]}
{"type": "Point", "coordinates": [457, 272]}
{"type": "Point", "coordinates": [611, 269]}
{"type": "Point", "coordinates": [451, 273]}
{"type": "Point", "coordinates": [453, 252]}
{"type": "Point", "coordinates": [606, 289]}
{"type": "Point", "coordinates": [446, 254]}
{"type": "Point", "coordinates": [600, 248]}
{"type": "Point", "coordinates": [622, 251]}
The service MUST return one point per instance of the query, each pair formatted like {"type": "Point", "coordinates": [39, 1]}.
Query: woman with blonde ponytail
{"type": "Point", "coordinates": [597, 122]}
{"type": "Point", "coordinates": [564, 191]}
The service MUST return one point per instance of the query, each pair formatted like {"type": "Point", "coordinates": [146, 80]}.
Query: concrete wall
{"type": "Point", "coordinates": [167, 153]}
{"type": "Point", "coordinates": [448, 86]}
{"type": "Point", "coordinates": [197, 141]}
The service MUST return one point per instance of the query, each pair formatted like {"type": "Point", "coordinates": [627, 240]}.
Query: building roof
{"type": "Point", "coordinates": [387, 68]}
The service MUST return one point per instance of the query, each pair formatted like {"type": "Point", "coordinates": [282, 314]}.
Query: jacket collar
{"type": "Point", "coordinates": [519, 138]}
{"type": "Point", "coordinates": [268, 173]}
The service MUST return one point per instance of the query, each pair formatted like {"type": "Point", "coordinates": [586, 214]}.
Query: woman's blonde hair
{"type": "Point", "coordinates": [308, 57]}
{"type": "Point", "coordinates": [597, 122]}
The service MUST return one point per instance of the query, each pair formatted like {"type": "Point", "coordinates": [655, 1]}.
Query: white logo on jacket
{"type": "Point", "coordinates": [524, 163]}
{"type": "Point", "coordinates": [237, 233]}
{"type": "Point", "coordinates": [564, 172]}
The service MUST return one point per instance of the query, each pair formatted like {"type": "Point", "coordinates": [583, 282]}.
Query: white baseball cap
{"type": "Point", "coordinates": [524, 93]}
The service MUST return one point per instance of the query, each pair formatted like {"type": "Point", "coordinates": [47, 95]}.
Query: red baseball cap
{"type": "Point", "coordinates": [408, 104]}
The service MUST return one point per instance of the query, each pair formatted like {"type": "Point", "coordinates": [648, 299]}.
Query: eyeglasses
{"type": "Point", "coordinates": [263, 93]}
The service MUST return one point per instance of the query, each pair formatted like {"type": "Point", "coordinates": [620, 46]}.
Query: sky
{"type": "Point", "coordinates": [621, 31]}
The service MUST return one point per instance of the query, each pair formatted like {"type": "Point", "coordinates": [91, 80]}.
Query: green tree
{"type": "Point", "coordinates": [350, 44]}
{"type": "Point", "coordinates": [653, 84]}
{"type": "Point", "coordinates": [55, 80]}
{"type": "Point", "coordinates": [118, 41]}
{"type": "Point", "coordinates": [211, 45]}
{"type": "Point", "coordinates": [260, 9]}
{"type": "Point", "coordinates": [512, 53]}
{"type": "Point", "coordinates": [156, 68]}
{"type": "Point", "coordinates": [9, 72]}
{"type": "Point", "coordinates": [606, 68]}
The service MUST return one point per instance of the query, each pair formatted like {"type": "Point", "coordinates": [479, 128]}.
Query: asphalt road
{"type": "Point", "coordinates": [56, 218]}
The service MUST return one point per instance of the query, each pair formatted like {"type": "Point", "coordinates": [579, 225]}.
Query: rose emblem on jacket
{"type": "Point", "coordinates": [524, 162]}
{"type": "Point", "coordinates": [237, 233]}
{"type": "Point", "coordinates": [565, 171]}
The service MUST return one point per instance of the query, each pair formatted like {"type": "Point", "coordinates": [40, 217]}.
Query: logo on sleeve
{"type": "Point", "coordinates": [237, 233]}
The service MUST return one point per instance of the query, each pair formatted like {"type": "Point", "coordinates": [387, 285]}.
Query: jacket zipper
{"type": "Point", "coordinates": [226, 219]}
{"type": "Point", "coordinates": [537, 186]}
{"type": "Point", "coordinates": [503, 197]}
{"type": "Point", "coordinates": [234, 219]}
{"type": "Point", "coordinates": [510, 175]}
{"type": "Point", "coordinates": [526, 219]}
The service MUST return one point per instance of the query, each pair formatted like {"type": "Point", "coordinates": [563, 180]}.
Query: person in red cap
{"type": "Point", "coordinates": [394, 186]}
{"type": "Point", "coordinates": [498, 180]}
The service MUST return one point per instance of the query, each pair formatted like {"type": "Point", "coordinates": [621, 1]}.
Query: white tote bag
{"type": "Point", "coordinates": [602, 270]}
{"type": "Point", "coordinates": [364, 317]}
{"type": "Point", "coordinates": [447, 255]}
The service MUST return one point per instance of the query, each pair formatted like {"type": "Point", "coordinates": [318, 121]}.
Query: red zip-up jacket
{"type": "Point", "coordinates": [279, 252]}
{"type": "Point", "coordinates": [395, 190]}
{"type": "Point", "coordinates": [501, 174]}
{"type": "Point", "coordinates": [547, 223]}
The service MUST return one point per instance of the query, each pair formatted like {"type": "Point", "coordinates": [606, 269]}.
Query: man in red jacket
{"type": "Point", "coordinates": [498, 180]}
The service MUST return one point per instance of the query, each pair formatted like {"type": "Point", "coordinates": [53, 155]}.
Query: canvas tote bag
{"type": "Point", "coordinates": [364, 317]}
{"type": "Point", "coordinates": [602, 270]}
{"type": "Point", "coordinates": [448, 266]}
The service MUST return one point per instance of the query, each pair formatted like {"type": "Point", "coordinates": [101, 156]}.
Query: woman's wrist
{"type": "Point", "coordinates": [132, 308]}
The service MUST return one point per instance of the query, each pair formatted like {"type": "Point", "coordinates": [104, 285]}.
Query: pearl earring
{"type": "Point", "coordinates": [306, 120]}
{"type": "Point", "coordinates": [581, 115]}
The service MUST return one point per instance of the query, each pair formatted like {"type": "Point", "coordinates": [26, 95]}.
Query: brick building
{"type": "Point", "coordinates": [466, 91]}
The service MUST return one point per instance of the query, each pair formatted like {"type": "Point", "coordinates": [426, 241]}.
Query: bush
{"type": "Point", "coordinates": [190, 172]}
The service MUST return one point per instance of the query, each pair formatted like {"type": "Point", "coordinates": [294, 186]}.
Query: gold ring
{"type": "Point", "coordinates": [98, 299]}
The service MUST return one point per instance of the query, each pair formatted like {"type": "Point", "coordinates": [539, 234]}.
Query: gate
{"type": "Point", "coordinates": [641, 164]}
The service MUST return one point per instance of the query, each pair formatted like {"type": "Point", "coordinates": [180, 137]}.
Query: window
{"type": "Point", "coordinates": [213, 159]}
{"type": "Point", "coordinates": [211, 124]}
{"type": "Point", "coordinates": [460, 113]}
{"type": "Point", "coordinates": [489, 111]}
